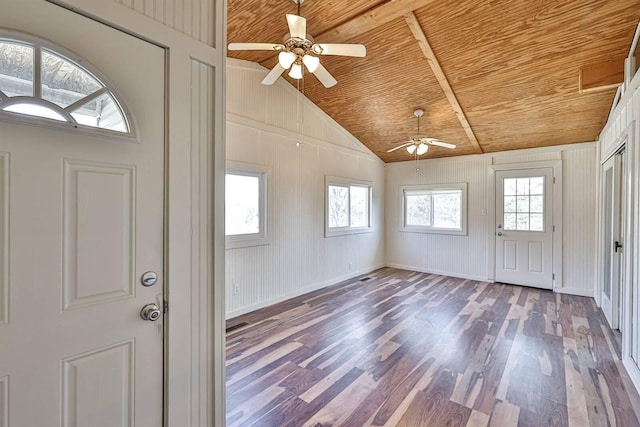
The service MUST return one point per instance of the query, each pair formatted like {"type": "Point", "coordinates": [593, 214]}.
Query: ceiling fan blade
{"type": "Point", "coordinates": [340, 49]}
{"type": "Point", "coordinates": [273, 75]}
{"type": "Point", "coordinates": [297, 26]}
{"type": "Point", "coordinates": [440, 143]}
{"type": "Point", "coordinates": [256, 46]}
{"type": "Point", "coordinates": [324, 76]}
{"type": "Point", "coordinates": [406, 144]}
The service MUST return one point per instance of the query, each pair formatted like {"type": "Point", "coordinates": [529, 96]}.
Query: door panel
{"type": "Point", "coordinates": [524, 229]}
{"type": "Point", "coordinates": [85, 222]}
{"type": "Point", "coordinates": [613, 208]}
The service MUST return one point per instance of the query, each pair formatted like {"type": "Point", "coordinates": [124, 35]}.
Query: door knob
{"type": "Point", "coordinates": [617, 246]}
{"type": "Point", "coordinates": [499, 233]}
{"type": "Point", "coordinates": [150, 312]}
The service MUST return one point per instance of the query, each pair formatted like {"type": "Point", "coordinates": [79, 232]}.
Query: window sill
{"type": "Point", "coordinates": [347, 231]}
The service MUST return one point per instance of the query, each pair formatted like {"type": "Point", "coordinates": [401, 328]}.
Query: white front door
{"type": "Point", "coordinates": [83, 221]}
{"type": "Point", "coordinates": [612, 210]}
{"type": "Point", "coordinates": [524, 227]}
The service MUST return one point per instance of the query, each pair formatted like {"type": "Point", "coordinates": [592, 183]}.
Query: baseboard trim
{"type": "Point", "coordinates": [441, 273]}
{"type": "Point", "coordinates": [300, 291]}
{"type": "Point", "coordinates": [575, 291]}
{"type": "Point", "coordinates": [633, 372]}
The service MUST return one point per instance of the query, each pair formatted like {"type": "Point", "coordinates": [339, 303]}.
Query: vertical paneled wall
{"type": "Point", "coordinates": [4, 237]}
{"type": "Point", "coordinates": [195, 18]}
{"type": "Point", "coordinates": [461, 256]}
{"type": "Point", "coordinates": [622, 129]}
{"type": "Point", "coordinates": [264, 125]}
{"type": "Point", "coordinates": [468, 256]}
{"type": "Point", "coordinates": [201, 113]}
{"type": "Point", "coordinates": [579, 219]}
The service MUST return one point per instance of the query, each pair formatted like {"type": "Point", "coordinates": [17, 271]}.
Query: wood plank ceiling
{"type": "Point", "coordinates": [491, 75]}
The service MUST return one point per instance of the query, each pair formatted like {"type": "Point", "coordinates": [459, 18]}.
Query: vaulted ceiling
{"type": "Point", "coordinates": [491, 75]}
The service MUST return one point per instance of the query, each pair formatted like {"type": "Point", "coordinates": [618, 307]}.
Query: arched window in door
{"type": "Point", "coordinates": [39, 82]}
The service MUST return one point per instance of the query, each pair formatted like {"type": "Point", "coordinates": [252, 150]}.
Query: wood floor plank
{"type": "Point", "coordinates": [417, 349]}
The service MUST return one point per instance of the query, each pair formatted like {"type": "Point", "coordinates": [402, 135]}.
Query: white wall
{"type": "Point", "coordinates": [622, 128]}
{"type": "Point", "coordinates": [469, 256]}
{"type": "Point", "coordinates": [262, 129]}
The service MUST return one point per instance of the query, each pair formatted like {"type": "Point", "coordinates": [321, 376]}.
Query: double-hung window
{"type": "Point", "coordinates": [434, 208]}
{"type": "Point", "coordinates": [246, 206]}
{"type": "Point", "coordinates": [348, 206]}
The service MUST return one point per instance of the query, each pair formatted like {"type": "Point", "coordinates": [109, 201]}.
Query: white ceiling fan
{"type": "Point", "coordinates": [420, 143]}
{"type": "Point", "coordinates": [298, 49]}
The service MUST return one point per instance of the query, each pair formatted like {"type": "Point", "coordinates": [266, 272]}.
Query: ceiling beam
{"type": "Point", "coordinates": [602, 76]}
{"type": "Point", "coordinates": [371, 19]}
{"type": "Point", "coordinates": [416, 29]}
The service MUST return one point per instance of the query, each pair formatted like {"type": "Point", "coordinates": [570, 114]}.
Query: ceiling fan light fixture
{"type": "Point", "coordinates": [311, 62]}
{"type": "Point", "coordinates": [286, 59]}
{"type": "Point", "coordinates": [296, 71]}
{"type": "Point", "coordinates": [411, 148]}
{"type": "Point", "coordinates": [422, 148]}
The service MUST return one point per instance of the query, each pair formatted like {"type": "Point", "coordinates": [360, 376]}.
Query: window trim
{"type": "Point", "coordinates": [263, 237]}
{"type": "Point", "coordinates": [346, 182]}
{"type": "Point", "coordinates": [72, 125]}
{"type": "Point", "coordinates": [460, 186]}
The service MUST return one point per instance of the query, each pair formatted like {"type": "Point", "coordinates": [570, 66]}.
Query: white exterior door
{"type": "Point", "coordinates": [82, 220]}
{"type": "Point", "coordinates": [524, 227]}
{"type": "Point", "coordinates": [612, 210]}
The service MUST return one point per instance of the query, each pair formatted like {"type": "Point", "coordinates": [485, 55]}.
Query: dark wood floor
{"type": "Point", "coordinates": [412, 349]}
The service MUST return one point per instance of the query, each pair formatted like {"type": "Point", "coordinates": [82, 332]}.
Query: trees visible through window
{"type": "Point", "coordinates": [348, 207]}
{"type": "Point", "coordinates": [36, 81]}
{"type": "Point", "coordinates": [434, 208]}
{"type": "Point", "coordinates": [524, 203]}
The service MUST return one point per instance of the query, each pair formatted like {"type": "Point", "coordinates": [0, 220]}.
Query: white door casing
{"type": "Point", "coordinates": [524, 227]}
{"type": "Point", "coordinates": [84, 222]}
{"type": "Point", "coordinates": [613, 246]}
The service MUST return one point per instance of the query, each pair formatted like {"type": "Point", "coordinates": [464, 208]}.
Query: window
{"type": "Point", "coordinates": [434, 208]}
{"type": "Point", "coordinates": [246, 206]}
{"type": "Point", "coordinates": [348, 207]}
{"type": "Point", "coordinates": [37, 82]}
{"type": "Point", "coordinates": [523, 203]}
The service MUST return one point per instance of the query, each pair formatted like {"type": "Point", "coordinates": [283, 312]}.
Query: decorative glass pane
{"type": "Point", "coordinates": [536, 222]}
{"type": "Point", "coordinates": [522, 222]}
{"type": "Point", "coordinates": [242, 204]}
{"type": "Point", "coordinates": [338, 206]}
{"type": "Point", "coordinates": [446, 210]}
{"type": "Point", "coordinates": [537, 185]}
{"type": "Point", "coordinates": [418, 210]}
{"type": "Point", "coordinates": [509, 203]}
{"type": "Point", "coordinates": [537, 204]}
{"type": "Point", "coordinates": [523, 204]}
{"type": "Point", "coordinates": [523, 186]}
{"type": "Point", "coordinates": [509, 221]}
{"type": "Point", "coordinates": [359, 206]}
{"type": "Point", "coordinates": [35, 110]}
{"type": "Point", "coordinates": [16, 69]}
{"type": "Point", "coordinates": [102, 112]}
{"type": "Point", "coordinates": [509, 186]}
{"type": "Point", "coordinates": [63, 82]}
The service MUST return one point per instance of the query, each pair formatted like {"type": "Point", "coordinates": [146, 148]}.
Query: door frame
{"type": "Point", "coordinates": [631, 270]}
{"type": "Point", "coordinates": [631, 263]}
{"type": "Point", "coordinates": [556, 165]}
{"type": "Point", "coordinates": [619, 200]}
